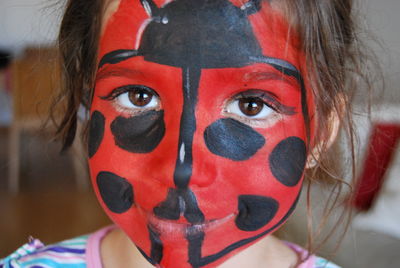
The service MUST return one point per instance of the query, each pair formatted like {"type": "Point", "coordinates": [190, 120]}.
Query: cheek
{"type": "Point", "coordinates": [258, 170]}
{"type": "Point", "coordinates": [96, 132]}
{"type": "Point", "coordinates": [255, 212]}
{"type": "Point", "coordinates": [287, 160]}
{"type": "Point", "coordinates": [232, 139]}
{"type": "Point", "coordinates": [139, 134]}
{"type": "Point", "coordinates": [115, 191]}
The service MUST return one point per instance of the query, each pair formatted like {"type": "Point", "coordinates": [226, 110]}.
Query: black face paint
{"type": "Point", "coordinates": [232, 139]}
{"type": "Point", "coordinates": [180, 202]}
{"type": "Point", "coordinates": [200, 34]}
{"type": "Point", "coordinates": [287, 161]}
{"type": "Point", "coordinates": [192, 212]}
{"type": "Point", "coordinates": [183, 167]}
{"type": "Point", "coordinates": [116, 192]}
{"type": "Point", "coordinates": [255, 212]}
{"type": "Point", "coordinates": [195, 243]}
{"type": "Point", "coordinates": [117, 56]}
{"type": "Point", "coordinates": [156, 251]}
{"type": "Point", "coordinates": [145, 256]}
{"type": "Point", "coordinates": [171, 208]}
{"type": "Point", "coordinates": [96, 132]}
{"type": "Point", "coordinates": [139, 134]}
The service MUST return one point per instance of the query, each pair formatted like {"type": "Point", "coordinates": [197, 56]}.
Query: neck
{"type": "Point", "coordinates": [117, 250]}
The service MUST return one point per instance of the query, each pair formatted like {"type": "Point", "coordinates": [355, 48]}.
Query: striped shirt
{"type": "Point", "coordinates": [84, 251]}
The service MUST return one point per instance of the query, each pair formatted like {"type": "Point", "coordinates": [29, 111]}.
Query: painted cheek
{"type": "Point", "coordinates": [253, 176]}
{"type": "Point", "coordinates": [96, 132]}
{"type": "Point", "coordinates": [116, 192]}
{"type": "Point", "coordinates": [232, 139]}
{"type": "Point", "coordinates": [139, 134]}
{"type": "Point", "coordinates": [287, 161]}
{"type": "Point", "coordinates": [134, 188]}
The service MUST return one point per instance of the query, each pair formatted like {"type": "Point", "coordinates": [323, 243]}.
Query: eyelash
{"type": "Point", "coordinates": [271, 102]}
{"type": "Point", "coordinates": [116, 93]}
{"type": "Point", "coordinates": [120, 90]}
{"type": "Point", "coordinates": [268, 99]}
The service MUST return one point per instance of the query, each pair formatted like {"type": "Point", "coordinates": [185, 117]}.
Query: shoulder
{"type": "Point", "coordinates": [311, 261]}
{"type": "Point", "coordinates": [67, 253]}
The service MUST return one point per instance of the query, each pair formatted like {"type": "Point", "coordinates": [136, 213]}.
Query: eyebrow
{"type": "Point", "coordinates": [265, 76]}
{"type": "Point", "coordinates": [282, 66]}
{"type": "Point", "coordinates": [115, 71]}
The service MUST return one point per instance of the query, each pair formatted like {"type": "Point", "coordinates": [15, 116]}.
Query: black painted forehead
{"type": "Point", "coordinates": [200, 34]}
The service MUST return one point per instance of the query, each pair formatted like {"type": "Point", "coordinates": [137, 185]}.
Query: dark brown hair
{"type": "Point", "coordinates": [328, 36]}
{"type": "Point", "coordinates": [78, 44]}
{"type": "Point", "coordinates": [341, 66]}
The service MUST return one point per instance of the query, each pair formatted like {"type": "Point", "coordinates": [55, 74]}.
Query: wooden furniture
{"type": "Point", "coordinates": [34, 81]}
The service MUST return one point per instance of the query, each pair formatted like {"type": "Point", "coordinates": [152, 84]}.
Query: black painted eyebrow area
{"type": "Point", "coordinates": [267, 76]}
{"type": "Point", "coordinates": [282, 66]}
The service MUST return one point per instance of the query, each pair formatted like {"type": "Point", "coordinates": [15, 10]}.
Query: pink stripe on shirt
{"type": "Point", "coordinates": [93, 259]}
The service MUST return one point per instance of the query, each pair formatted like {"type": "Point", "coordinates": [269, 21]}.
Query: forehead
{"type": "Point", "coordinates": [125, 20]}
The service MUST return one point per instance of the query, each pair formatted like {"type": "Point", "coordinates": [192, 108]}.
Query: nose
{"type": "Point", "coordinates": [183, 167]}
{"type": "Point", "coordinates": [184, 160]}
{"type": "Point", "coordinates": [205, 165]}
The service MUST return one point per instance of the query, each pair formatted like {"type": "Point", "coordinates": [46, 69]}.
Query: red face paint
{"type": "Point", "coordinates": [198, 130]}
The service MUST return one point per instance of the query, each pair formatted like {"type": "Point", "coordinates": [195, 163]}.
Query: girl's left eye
{"type": "Point", "coordinates": [137, 98]}
{"type": "Point", "coordinates": [134, 99]}
{"type": "Point", "coordinates": [249, 107]}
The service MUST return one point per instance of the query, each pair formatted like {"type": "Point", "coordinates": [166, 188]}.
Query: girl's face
{"type": "Point", "coordinates": [198, 126]}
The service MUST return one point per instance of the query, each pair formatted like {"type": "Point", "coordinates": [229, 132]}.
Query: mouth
{"type": "Point", "coordinates": [173, 229]}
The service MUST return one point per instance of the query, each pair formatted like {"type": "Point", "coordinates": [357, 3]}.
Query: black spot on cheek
{"type": "Point", "coordinates": [96, 132]}
{"type": "Point", "coordinates": [139, 134]}
{"type": "Point", "coordinates": [255, 212]}
{"type": "Point", "coordinates": [116, 192]}
{"type": "Point", "coordinates": [287, 161]}
{"type": "Point", "coordinates": [232, 139]}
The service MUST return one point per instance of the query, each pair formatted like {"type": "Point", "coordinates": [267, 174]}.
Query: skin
{"type": "Point", "coordinates": [244, 175]}
{"type": "Point", "coordinates": [117, 250]}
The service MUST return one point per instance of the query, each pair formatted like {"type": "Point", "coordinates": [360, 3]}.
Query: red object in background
{"type": "Point", "coordinates": [380, 151]}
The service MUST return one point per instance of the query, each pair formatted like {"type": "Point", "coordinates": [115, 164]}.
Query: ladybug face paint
{"type": "Point", "coordinates": [198, 127]}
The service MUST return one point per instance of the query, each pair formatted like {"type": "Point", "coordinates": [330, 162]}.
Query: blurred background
{"type": "Point", "coordinates": [47, 195]}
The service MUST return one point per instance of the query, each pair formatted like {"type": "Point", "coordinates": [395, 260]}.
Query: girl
{"type": "Point", "coordinates": [204, 117]}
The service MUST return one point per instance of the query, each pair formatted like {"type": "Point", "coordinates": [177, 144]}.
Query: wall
{"type": "Point", "coordinates": [383, 20]}
{"type": "Point", "coordinates": [28, 22]}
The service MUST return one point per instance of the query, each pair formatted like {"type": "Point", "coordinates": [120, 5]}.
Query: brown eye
{"type": "Point", "coordinates": [251, 106]}
{"type": "Point", "coordinates": [140, 97]}
{"type": "Point", "coordinates": [135, 98]}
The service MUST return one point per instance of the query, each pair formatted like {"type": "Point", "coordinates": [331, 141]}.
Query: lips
{"type": "Point", "coordinates": [172, 230]}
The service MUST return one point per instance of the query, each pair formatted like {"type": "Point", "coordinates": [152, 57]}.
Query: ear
{"type": "Point", "coordinates": [329, 134]}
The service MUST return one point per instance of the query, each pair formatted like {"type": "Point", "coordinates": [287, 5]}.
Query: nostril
{"type": "Point", "coordinates": [205, 172]}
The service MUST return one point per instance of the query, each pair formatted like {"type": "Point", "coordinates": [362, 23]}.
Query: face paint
{"type": "Point", "coordinates": [198, 126]}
